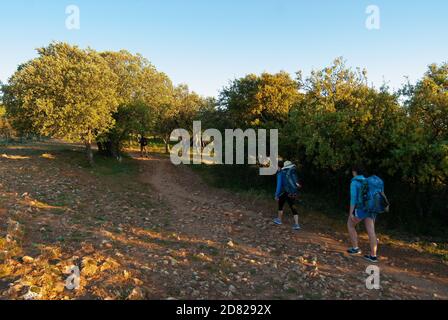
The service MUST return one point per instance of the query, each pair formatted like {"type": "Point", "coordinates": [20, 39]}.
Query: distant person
{"type": "Point", "coordinates": [367, 200]}
{"type": "Point", "coordinates": [287, 191]}
{"type": "Point", "coordinates": [143, 146]}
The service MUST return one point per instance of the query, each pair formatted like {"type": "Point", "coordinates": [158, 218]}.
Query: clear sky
{"type": "Point", "coordinates": [206, 43]}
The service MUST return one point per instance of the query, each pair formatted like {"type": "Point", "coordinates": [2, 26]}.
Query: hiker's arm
{"type": "Point", "coordinates": [279, 186]}
{"type": "Point", "coordinates": [353, 196]}
{"type": "Point", "coordinates": [386, 200]}
{"type": "Point", "coordinates": [352, 211]}
{"type": "Point", "coordinates": [298, 181]}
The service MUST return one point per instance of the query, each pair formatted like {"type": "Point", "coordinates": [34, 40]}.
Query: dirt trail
{"type": "Point", "coordinates": [285, 264]}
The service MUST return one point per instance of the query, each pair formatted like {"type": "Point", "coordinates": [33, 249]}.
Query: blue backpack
{"type": "Point", "coordinates": [376, 202]}
{"type": "Point", "coordinates": [363, 197]}
{"type": "Point", "coordinates": [289, 181]}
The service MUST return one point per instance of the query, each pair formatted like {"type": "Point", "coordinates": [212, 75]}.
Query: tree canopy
{"type": "Point", "coordinates": [65, 92]}
{"type": "Point", "coordinates": [424, 150]}
{"type": "Point", "coordinates": [264, 100]}
{"type": "Point", "coordinates": [142, 93]}
{"type": "Point", "coordinates": [179, 112]}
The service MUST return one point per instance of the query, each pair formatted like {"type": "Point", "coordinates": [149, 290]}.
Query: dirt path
{"type": "Point", "coordinates": [308, 264]}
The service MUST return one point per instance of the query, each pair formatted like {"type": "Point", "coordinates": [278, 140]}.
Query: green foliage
{"type": "Point", "coordinates": [130, 119]}
{"type": "Point", "coordinates": [342, 121]}
{"type": "Point", "coordinates": [142, 92]}
{"type": "Point", "coordinates": [338, 120]}
{"type": "Point", "coordinates": [180, 112]}
{"type": "Point", "coordinates": [255, 101]}
{"type": "Point", "coordinates": [65, 92]}
{"type": "Point", "coordinates": [6, 130]}
{"type": "Point", "coordinates": [212, 116]}
{"type": "Point", "coordinates": [139, 80]}
{"type": "Point", "coordinates": [424, 151]}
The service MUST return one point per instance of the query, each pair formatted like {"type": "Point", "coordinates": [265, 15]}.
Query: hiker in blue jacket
{"type": "Point", "coordinates": [287, 191]}
{"type": "Point", "coordinates": [367, 199]}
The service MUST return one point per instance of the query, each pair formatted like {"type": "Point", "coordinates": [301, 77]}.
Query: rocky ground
{"type": "Point", "coordinates": [149, 230]}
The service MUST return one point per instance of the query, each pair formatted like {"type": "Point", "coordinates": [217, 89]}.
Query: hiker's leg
{"type": "Point", "coordinates": [280, 215]}
{"type": "Point", "coordinates": [281, 204]}
{"type": "Point", "coordinates": [292, 205]}
{"type": "Point", "coordinates": [296, 219]}
{"type": "Point", "coordinates": [370, 227]}
{"type": "Point", "coordinates": [351, 226]}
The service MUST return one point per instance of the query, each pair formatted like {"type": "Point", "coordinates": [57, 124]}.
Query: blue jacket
{"type": "Point", "coordinates": [280, 190]}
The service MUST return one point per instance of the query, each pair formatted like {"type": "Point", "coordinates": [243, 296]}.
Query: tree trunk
{"type": "Point", "coordinates": [115, 149]}
{"type": "Point", "coordinates": [101, 148]}
{"type": "Point", "coordinates": [167, 149]}
{"type": "Point", "coordinates": [89, 152]}
{"type": "Point", "coordinates": [110, 148]}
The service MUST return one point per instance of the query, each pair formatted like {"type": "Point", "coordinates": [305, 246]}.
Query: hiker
{"type": "Point", "coordinates": [367, 200]}
{"type": "Point", "coordinates": [287, 191]}
{"type": "Point", "coordinates": [143, 144]}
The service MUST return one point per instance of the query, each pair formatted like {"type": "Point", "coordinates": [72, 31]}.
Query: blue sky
{"type": "Point", "coordinates": [206, 43]}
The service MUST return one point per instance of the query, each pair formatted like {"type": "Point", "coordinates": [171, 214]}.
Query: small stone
{"type": "Point", "coordinates": [136, 294]}
{"type": "Point", "coordinates": [195, 293]}
{"type": "Point", "coordinates": [27, 259]}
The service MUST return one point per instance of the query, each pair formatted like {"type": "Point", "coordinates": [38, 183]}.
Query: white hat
{"type": "Point", "coordinates": [288, 164]}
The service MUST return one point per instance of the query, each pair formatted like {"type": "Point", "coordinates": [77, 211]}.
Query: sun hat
{"type": "Point", "coordinates": [288, 164]}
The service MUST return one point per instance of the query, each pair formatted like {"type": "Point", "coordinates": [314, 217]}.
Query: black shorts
{"type": "Point", "coordinates": [285, 198]}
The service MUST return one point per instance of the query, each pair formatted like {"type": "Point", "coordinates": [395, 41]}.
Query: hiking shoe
{"type": "Point", "coordinates": [296, 227]}
{"type": "Point", "coordinates": [354, 251]}
{"type": "Point", "coordinates": [371, 258]}
{"type": "Point", "coordinates": [278, 222]}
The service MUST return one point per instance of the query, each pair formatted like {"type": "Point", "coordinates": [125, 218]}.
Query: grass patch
{"type": "Point", "coordinates": [238, 178]}
{"type": "Point", "coordinates": [291, 291]}
{"type": "Point", "coordinates": [155, 145]}
{"type": "Point", "coordinates": [103, 166]}
{"type": "Point", "coordinates": [439, 249]}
